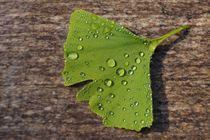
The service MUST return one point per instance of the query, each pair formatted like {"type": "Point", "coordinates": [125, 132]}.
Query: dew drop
{"type": "Point", "coordinates": [142, 122]}
{"type": "Point", "coordinates": [111, 34]}
{"type": "Point", "coordinates": [141, 54]}
{"type": "Point", "coordinates": [120, 72]}
{"type": "Point", "coordinates": [128, 89]}
{"type": "Point", "coordinates": [87, 36]}
{"type": "Point", "coordinates": [101, 68]}
{"type": "Point", "coordinates": [73, 56]}
{"type": "Point", "coordinates": [131, 105]}
{"type": "Point", "coordinates": [95, 35]}
{"type": "Point", "coordinates": [107, 37]}
{"type": "Point", "coordinates": [99, 96]}
{"type": "Point", "coordinates": [146, 114]}
{"type": "Point", "coordinates": [82, 74]}
{"type": "Point", "coordinates": [123, 108]}
{"type": "Point", "coordinates": [79, 47]}
{"type": "Point", "coordinates": [123, 120]}
{"type": "Point", "coordinates": [123, 82]}
{"type": "Point", "coordinates": [99, 89]}
{"type": "Point", "coordinates": [126, 55]}
{"type": "Point", "coordinates": [80, 38]}
{"type": "Point", "coordinates": [100, 108]}
{"type": "Point", "coordinates": [108, 101]}
{"type": "Point", "coordinates": [111, 62]}
{"type": "Point", "coordinates": [135, 122]}
{"type": "Point", "coordinates": [108, 82]}
{"type": "Point", "coordinates": [126, 63]}
{"type": "Point", "coordinates": [145, 42]}
{"type": "Point", "coordinates": [111, 95]}
{"type": "Point", "coordinates": [136, 103]}
{"type": "Point", "coordinates": [86, 63]}
{"type": "Point", "coordinates": [136, 113]}
{"type": "Point", "coordinates": [138, 60]}
{"type": "Point", "coordinates": [130, 72]}
{"type": "Point", "coordinates": [133, 67]}
{"type": "Point", "coordinates": [111, 113]}
{"type": "Point", "coordinates": [147, 110]}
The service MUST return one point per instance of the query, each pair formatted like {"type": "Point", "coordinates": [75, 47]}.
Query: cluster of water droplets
{"type": "Point", "coordinates": [103, 31]}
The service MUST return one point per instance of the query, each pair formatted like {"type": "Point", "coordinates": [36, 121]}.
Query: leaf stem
{"type": "Point", "coordinates": [159, 40]}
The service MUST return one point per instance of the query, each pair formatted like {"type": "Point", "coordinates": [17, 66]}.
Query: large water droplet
{"type": "Point", "coordinates": [126, 55]}
{"type": "Point", "coordinates": [73, 56]}
{"type": "Point", "coordinates": [123, 82]}
{"type": "Point", "coordinates": [111, 95]}
{"type": "Point", "coordinates": [111, 62]}
{"type": "Point", "coordinates": [120, 72]}
{"type": "Point", "coordinates": [141, 54]}
{"type": "Point", "coordinates": [79, 47]}
{"type": "Point", "coordinates": [108, 82]}
{"type": "Point", "coordinates": [130, 72]}
{"type": "Point", "coordinates": [138, 60]}
{"type": "Point", "coordinates": [133, 67]}
{"type": "Point", "coordinates": [101, 68]}
{"type": "Point", "coordinates": [99, 89]}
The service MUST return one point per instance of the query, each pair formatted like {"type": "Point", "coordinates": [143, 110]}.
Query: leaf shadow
{"type": "Point", "coordinates": [160, 102]}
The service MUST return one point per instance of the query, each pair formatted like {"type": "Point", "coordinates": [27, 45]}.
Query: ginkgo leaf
{"type": "Point", "coordinates": [118, 63]}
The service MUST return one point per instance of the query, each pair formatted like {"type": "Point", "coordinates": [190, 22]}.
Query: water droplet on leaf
{"type": "Point", "coordinates": [130, 72]}
{"type": "Point", "coordinates": [99, 89]}
{"type": "Point", "coordinates": [126, 55]}
{"type": "Point", "coordinates": [120, 72]}
{"type": "Point", "coordinates": [82, 74]}
{"type": "Point", "coordinates": [73, 56]}
{"type": "Point", "coordinates": [80, 47]}
{"type": "Point", "coordinates": [95, 35]}
{"type": "Point", "coordinates": [80, 38]}
{"type": "Point", "coordinates": [123, 82]}
{"type": "Point", "coordinates": [101, 68]}
{"type": "Point", "coordinates": [141, 54]}
{"type": "Point", "coordinates": [138, 60]}
{"type": "Point", "coordinates": [111, 62]}
{"type": "Point", "coordinates": [111, 95]}
{"type": "Point", "coordinates": [108, 82]}
{"type": "Point", "coordinates": [133, 67]}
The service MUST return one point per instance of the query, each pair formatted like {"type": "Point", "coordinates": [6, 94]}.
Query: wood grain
{"type": "Point", "coordinates": [34, 104]}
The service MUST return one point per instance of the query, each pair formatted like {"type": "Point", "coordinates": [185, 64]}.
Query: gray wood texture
{"type": "Point", "coordinates": [34, 104]}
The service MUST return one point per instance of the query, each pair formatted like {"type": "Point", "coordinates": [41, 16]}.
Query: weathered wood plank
{"type": "Point", "coordinates": [35, 104]}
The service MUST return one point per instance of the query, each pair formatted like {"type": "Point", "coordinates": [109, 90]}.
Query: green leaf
{"type": "Point", "coordinates": [118, 63]}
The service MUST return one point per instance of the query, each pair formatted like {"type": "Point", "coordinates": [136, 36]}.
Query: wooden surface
{"type": "Point", "coordinates": [34, 104]}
